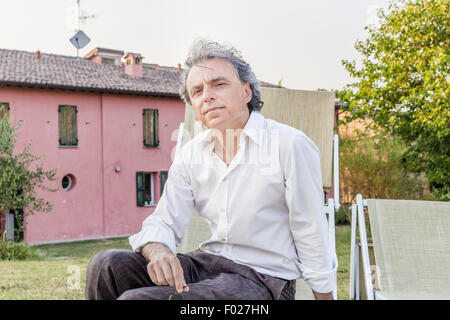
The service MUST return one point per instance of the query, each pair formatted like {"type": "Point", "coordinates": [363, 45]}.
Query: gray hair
{"type": "Point", "coordinates": [203, 49]}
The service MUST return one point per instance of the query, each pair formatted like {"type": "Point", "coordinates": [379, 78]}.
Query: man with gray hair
{"type": "Point", "coordinates": [267, 226]}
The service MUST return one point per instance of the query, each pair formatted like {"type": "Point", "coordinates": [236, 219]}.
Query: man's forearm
{"type": "Point", "coordinates": [154, 249]}
{"type": "Point", "coordinates": [323, 296]}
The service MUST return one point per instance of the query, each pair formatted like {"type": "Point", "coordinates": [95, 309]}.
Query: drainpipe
{"type": "Point", "coordinates": [102, 142]}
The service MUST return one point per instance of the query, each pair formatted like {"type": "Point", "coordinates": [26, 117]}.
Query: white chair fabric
{"type": "Point", "coordinates": [411, 242]}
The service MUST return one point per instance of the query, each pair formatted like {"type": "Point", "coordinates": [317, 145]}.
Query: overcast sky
{"type": "Point", "coordinates": [301, 42]}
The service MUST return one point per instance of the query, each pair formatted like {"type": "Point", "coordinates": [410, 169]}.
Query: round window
{"type": "Point", "coordinates": [68, 182]}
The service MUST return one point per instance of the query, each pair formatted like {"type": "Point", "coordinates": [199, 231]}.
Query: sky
{"type": "Point", "coordinates": [300, 42]}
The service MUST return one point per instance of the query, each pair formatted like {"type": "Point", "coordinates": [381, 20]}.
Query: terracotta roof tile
{"type": "Point", "coordinates": [63, 72]}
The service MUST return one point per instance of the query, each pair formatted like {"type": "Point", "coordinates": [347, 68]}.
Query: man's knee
{"type": "Point", "coordinates": [101, 260]}
{"type": "Point", "coordinates": [102, 271]}
{"type": "Point", "coordinates": [106, 262]}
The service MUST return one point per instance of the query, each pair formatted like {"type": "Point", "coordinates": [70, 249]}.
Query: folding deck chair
{"type": "Point", "coordinates": [309, 111]}
{"type": "Point", "coordinates": [411, 242]}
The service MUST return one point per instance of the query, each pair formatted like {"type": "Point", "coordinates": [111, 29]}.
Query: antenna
{"type": "Point", "coordinates": [82, 17]}
{"type": "Point", "coordinates": [80, 39]}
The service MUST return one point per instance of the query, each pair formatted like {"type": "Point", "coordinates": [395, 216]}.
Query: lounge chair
{"type": "Point", "coordinates": [411, 243]}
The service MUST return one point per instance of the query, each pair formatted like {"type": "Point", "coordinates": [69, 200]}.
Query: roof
{"type": "Point", "coordinates": [22, 68]}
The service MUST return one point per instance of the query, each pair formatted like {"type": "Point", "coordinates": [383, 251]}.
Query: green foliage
{"type": "Point", "coordinates": [374, 167]}
{"type": "Point", "coordinates": [342, 216]}
{"type": "Point", "coordinates": [10, 250]}
{"type": "Point", "coordinates": [403, 84]}
{"type": "Point", "coordinates": [20, 176]}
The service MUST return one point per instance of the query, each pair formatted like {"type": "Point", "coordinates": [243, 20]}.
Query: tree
{"type": "Point", "coordinates": [403, 84]}
{"type": "Point", "coordinates": [20, 176]}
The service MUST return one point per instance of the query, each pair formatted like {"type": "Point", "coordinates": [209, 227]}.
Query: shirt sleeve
{"type": "Point", "coordinates": [171, 216]}
{"type": "Point", "coordinates": [305, 200]}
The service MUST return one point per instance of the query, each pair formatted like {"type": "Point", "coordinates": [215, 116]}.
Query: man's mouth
{"type": "Point", "coordinates": [212, 109]}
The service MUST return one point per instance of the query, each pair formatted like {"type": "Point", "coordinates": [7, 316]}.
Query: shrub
{"type": "Point", "coordinates": [342, 216]}
{"type": "Point", "coordinates": [374, 166]}
{"type": "Point", "coordinates": [10, 250]}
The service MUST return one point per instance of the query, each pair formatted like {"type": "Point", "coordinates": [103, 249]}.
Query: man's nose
{"type": "Point", "coordinates": [207, 95]}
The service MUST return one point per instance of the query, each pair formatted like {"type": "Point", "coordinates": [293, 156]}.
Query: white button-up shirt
{"type": "Point", "coordinates": [265, 209]}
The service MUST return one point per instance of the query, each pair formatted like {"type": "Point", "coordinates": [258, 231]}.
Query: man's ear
{"type": "Point", "coordinates": [248, 93]}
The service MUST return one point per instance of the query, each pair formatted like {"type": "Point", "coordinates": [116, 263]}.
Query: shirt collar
{"type": "Point", "coordinates": [253, 128]}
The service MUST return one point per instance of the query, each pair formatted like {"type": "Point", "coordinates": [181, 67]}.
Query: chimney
{"type": "Point", "coordinates": [179, 66]}
{"type": "Point", "coordinates": [133, 64]}
{"type": "Point", "coordinates": [38, 54]}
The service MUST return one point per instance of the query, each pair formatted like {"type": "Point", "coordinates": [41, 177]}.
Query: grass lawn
{"type": "Point", "coordinates": [60, 272]}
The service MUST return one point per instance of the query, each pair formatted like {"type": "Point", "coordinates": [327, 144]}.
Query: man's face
{"type": "Point", "coordinates": [218, 97]}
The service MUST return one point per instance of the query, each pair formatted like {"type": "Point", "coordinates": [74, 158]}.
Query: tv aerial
{"type": "Point", "coordinates": [79, 40]}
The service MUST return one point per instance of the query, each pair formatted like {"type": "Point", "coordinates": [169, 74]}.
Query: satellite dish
{"type": "Point", "coordinates": [79, 40]}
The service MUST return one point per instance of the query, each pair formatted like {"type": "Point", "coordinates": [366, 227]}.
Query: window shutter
{"type": "Point", "coordinates": [156, 127]}
{"type": "Point", "coordinates": [162, 181]}
{"type": "Point", "coordinates": [147, 127]}
{"type": "Point", "coordinates": [140, 188]}
{"type": "Point", "coordinates": [4, 110]}
{"type": "Point", "coordinates": [68, 135]}
{"type": "Point", "coordinates": [151, 127]}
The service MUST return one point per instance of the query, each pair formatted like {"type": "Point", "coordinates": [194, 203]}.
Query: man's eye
{"type": "Point", "coordinates": [197, 92]}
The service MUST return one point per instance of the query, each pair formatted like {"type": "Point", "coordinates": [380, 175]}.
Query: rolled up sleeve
{"type": "Point", "coordinates": [309, 226]}
{"type": "Point", "coordinates": [171, 216]}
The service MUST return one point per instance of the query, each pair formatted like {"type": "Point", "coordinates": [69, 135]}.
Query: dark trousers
{"type": "Point", "coordinates": [122, 274]}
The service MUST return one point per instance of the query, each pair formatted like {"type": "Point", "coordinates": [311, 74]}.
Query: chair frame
{"type": "Point", "coordinates": [358, 219]}
{"type": "Point", "coordinates": [330, 207]}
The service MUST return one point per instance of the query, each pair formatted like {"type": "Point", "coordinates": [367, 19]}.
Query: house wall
{"type": "Point", "coordinates": [110, 133]}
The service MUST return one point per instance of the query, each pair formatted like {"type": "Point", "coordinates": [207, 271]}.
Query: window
{"type": "Point", "coordinates": [144, 188]}
{"type": "Point", "coordinates": [4, 110]}
{"type": "Point", "coordinates": [162, 181]}
{"type": "Point", "coordinates": [151, 127]}
{"type": "Point", "coordinates": [68, 182]}
{"type": "Point", "coordinates": [67, 125]}
{"type": "Point", "coordinates": [111, 61]}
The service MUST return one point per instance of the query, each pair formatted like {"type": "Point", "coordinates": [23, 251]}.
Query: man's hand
{"type": "Point", "coordinates": [323, 296]}
{"type": "Point", "coordinates": [164, 268]}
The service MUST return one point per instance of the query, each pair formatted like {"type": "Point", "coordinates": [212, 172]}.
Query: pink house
{"type": "Point", "coordinates": [108, 126]}
{"type": "Point", "coordinates": [108, 122]}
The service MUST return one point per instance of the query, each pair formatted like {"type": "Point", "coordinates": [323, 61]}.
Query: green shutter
{"type": "Point", "coordinates": [68, 135]}
{"type": "Point", "coordinates": [140, 188]}
{"type": "Point", "coordinates": [151, 127]}
{"type": "Point", "coordinates": [4, 110]}
{"type": "Point", "coordinates": [156, 127]}
{"type": "Point", "coordinates": [162, 181]}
